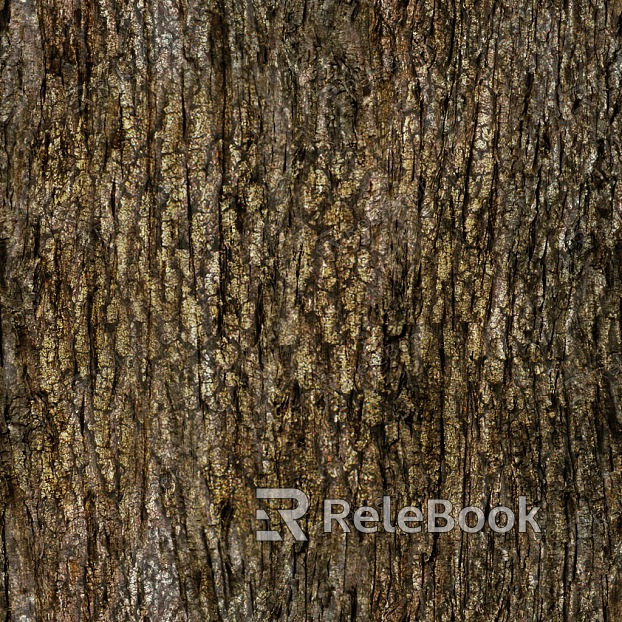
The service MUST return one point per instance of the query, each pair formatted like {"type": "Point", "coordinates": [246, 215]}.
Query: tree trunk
{"type": "Point", "coordinates": [355, 248]}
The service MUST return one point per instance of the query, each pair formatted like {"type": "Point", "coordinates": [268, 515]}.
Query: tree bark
{"type": "Point", "coordinates": [357, 248]}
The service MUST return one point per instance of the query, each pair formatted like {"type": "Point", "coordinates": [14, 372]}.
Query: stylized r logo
{"type": "Point", "coordinates": [289, 516]}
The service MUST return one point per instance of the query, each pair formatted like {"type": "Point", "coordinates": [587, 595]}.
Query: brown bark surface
{"type": "Point", "coordinates": [359, 248]}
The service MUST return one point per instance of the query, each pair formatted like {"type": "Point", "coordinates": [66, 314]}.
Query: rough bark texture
{"type": "Point", "coordinates": [360, 248]}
